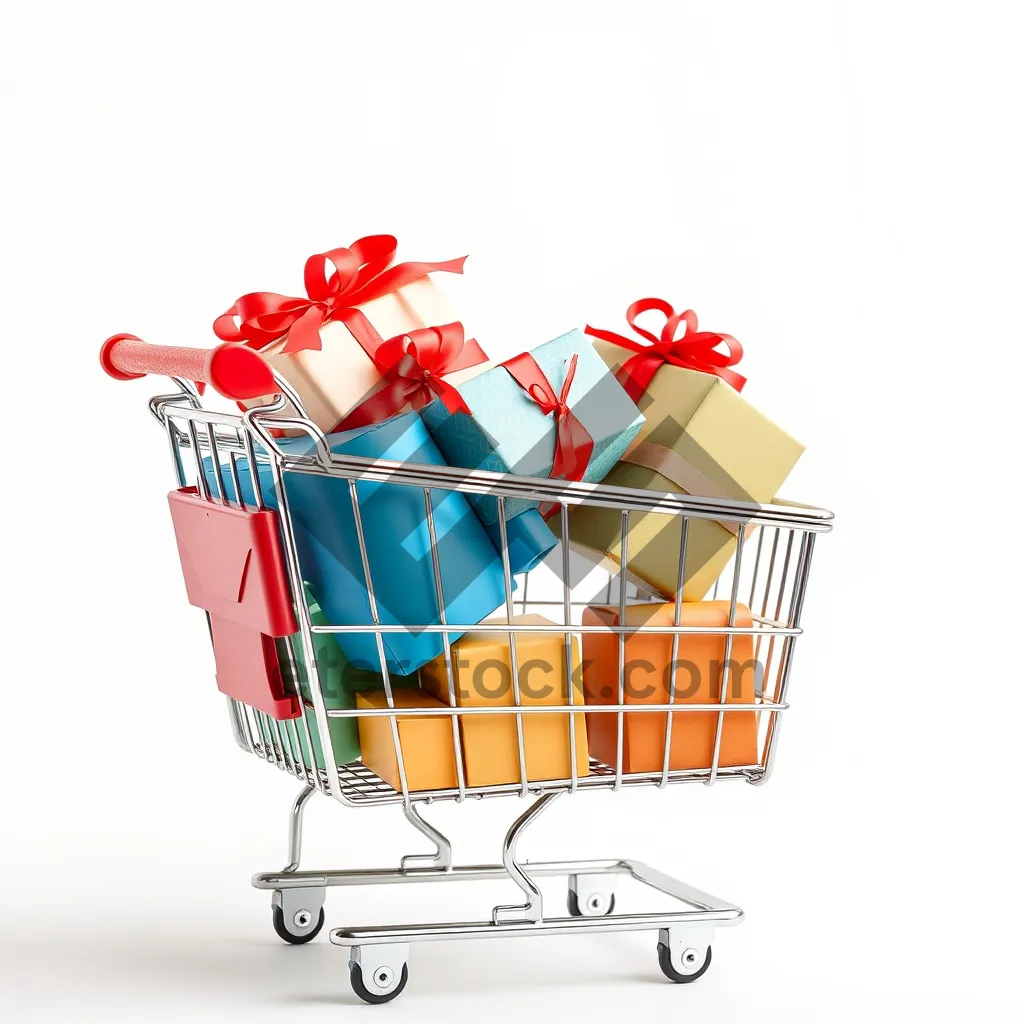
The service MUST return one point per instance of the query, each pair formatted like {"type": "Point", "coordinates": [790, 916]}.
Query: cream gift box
{"type": "Point", "coordinates": [323, 346]}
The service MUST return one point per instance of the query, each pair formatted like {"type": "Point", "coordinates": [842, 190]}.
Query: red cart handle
{"type": "Point", "coordinates": [235, 371]}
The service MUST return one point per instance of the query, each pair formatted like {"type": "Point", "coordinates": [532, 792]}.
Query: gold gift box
{"type": "Point", "coordinates": [482, 674]}
{"type": "Point", "coordinates": [700, 436]}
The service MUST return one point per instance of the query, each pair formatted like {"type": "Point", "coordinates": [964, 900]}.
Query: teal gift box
{"type": "Point", "coordinates": [340, 681]}
{"type": "Point", "coordinates": [510, 432]}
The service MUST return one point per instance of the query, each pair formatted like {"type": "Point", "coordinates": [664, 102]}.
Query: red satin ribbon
{"type": "Point", "coordinates": [573, 443]}
{"type": "Point", "coordinates": [696, 350]}
{"type": "Point", "coordinates": [412, 367]}
{"type": "Point", "coordinates": [360, 273]}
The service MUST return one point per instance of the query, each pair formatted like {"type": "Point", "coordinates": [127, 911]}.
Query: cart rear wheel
{"type": "Point", "coordinates": [385, 985]}
{"type": "Point", "coordinates": [281, 927]}
{"type": "Point", "coordinates": [597, 905]}
{"type": "Point", "coordinates": [691, 964]}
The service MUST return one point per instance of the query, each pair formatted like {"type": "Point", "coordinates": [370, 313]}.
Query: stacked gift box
{"type": "Point", "coordinates": [382, 366]}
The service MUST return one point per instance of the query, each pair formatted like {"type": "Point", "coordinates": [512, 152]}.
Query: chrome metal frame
{"type": "Point", "coordinates": [772, 583]}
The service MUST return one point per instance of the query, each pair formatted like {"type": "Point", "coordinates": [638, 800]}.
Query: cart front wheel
{"type": "Point", "coordinates": [690, 962]}
{"type": "Point", "coordinates": [597, 904]}
{"type": "Point", "coordinates": [295, 938]}
{"type": "Point", "coordinates": [384, 986]}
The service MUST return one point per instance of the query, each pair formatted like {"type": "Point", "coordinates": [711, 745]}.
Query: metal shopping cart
{"type": "Point", "coordinates": [770, 580]}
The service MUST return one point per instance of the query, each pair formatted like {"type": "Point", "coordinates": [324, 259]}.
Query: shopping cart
{"type": "Point", "coordinates": [771, 580]}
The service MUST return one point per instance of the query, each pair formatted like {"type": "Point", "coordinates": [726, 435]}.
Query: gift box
{"type": "Point", "coordinates": [482, 676]}
{"type": "Point", "coordinates": [334, 670]}
{"type": "Point", "coordinates": [528, 537]}
{"type": "Point", "coordinates": [427, 741]}
{"type": "Point", "coordinates": [556, 411]}
{"type": "Point", "coordinates": [700, 436]}
{"type": "Point", "coordinates": [331, 346]}
{"type": "Point", "coordinates": [648, 679]}
{"type": "Point", "coordinates": [397, 543]}
{"type": "Point", "coordinates": [340, 681]}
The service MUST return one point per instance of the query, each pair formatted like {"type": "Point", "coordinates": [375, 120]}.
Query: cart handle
{"type": "Point", "coordinates": [235, 371]}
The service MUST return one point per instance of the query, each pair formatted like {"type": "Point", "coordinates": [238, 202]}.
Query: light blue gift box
{"type": "Point", "coordinates": [509, 433]}
{"type": "Point", "coordinates": [397, 543]}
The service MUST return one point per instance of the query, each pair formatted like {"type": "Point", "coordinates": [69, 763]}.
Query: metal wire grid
{"type": "Point", "coordinates": [772, 580]}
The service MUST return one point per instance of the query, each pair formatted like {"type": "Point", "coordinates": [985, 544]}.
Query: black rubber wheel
{"type": "Point", "coordinates": [295, 940]}
{"type": "Point", "coordinates": [665, 962]}
{"type": "Point", "coordinates": [355, 975]}
{"type": "Point", "coordinates": [573, 903]}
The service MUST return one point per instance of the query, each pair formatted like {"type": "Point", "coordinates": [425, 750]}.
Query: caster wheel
{"type": "Point", "coordinates": [281, 927]}
{"type": "Point", "coordinates": [385, 985]}
{"type": "Point", "coordinates": [597, 905]}
{"type": "Point", "coordinates": [691, 964]}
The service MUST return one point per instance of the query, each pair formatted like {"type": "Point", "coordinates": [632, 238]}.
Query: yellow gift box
{"type": "Point", "coordinates": [701, 437]}
{"type": "Point", "coordinates": [481, 672]}
{"type": "Point", "coordinates": [427, 741]}
{"type": "Point", "coordinates": [332, 379]}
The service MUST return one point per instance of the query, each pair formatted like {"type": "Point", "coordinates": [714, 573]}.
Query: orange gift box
{"type": "Point", "coordinates": [428, 745]}
{"type": "Point", "coordinates": [481, 671]}
{"type": "Point", "coordinates": [699, 660]}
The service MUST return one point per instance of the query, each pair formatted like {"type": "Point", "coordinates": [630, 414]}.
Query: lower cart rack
{"type": "Point", "coordinates": [379, 954]}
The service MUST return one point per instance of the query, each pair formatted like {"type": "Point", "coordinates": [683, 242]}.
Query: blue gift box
{"type": "Point", "coordinates": [510, 433]}
{"type": "Point", "coordinates": [397, 544]}
{"type": "Point", "coordinates": [528, 537]}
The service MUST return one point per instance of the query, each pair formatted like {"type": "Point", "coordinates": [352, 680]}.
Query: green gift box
{"type": "Point", "coordinates": [340, 682]}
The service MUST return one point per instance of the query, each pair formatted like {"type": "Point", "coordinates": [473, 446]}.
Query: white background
{"type": "Point", "coordinates": [837, 185]}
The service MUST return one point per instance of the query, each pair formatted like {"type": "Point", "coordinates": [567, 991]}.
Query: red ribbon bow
{"type": "Point", "coordinates": [412, 367]}
{"type": "Point", "coordinates": [696, 350]}
{"type": "Point", "coordinates": [573, 443]}
{"type": "Point", "coordinates": [361, 273]}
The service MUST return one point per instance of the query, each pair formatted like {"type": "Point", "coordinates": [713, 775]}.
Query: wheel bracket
{"type": "Point", "coordinates": [595, 894]}
{"type": "Point", "coordinates": [300, 908]}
